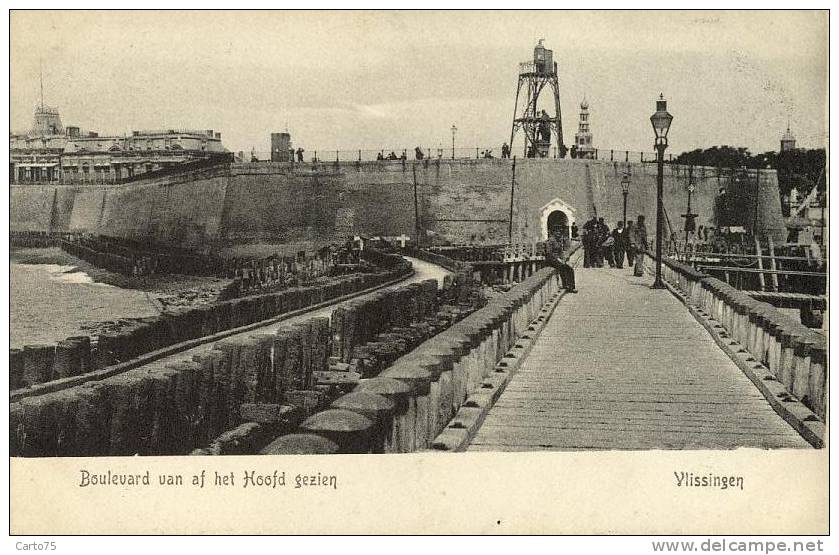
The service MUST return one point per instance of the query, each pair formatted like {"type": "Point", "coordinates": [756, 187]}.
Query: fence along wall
{"type": "Point", "coordinates": [795, 355]}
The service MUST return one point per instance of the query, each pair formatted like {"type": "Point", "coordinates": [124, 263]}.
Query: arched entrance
{"type": "Point", "coordinates": [558, 221]}
{"type": "Point", "coordinates": [556, 213]}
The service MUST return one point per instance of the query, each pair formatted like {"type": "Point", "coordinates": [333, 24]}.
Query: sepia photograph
{"type": "Point", "coordinates": [400, 234]}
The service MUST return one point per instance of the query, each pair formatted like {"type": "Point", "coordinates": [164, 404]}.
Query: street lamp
{"type": "Point", "coordinates": [454, 132]}
{"type": "Point", "coordinates": [690, 222]}
{"type": "Point", "coordinates": [625, 188]}
{"type": "Point", "coordinates": [661, 120]}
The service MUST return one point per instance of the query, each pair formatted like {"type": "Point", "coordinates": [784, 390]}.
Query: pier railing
{"type": "Point", "coordinates": [498, 264]}
{"type": "Point", "coordinates": [788, 351]}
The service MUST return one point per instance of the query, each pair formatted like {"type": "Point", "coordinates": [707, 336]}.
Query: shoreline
{"type": "Point", "coordinates": [163, 285]}
{"type": "Point", "coordinates": [164, 292]}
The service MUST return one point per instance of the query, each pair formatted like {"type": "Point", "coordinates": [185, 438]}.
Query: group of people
{"type": "Point", "coordinates": [599, 244]}
{"type": "Point", "coordinates": [391, 156]}
{"type": "Point", "coordinates": [614, 246]}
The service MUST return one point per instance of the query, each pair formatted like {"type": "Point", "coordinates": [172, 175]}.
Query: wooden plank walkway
{"type": "Point", "coordinates": [622, 366]}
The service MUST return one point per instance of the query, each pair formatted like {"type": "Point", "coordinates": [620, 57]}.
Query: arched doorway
{"type": "Point", "coordinates": [556, 213]}
{"type": "Point", "coordinates": [558, 221]}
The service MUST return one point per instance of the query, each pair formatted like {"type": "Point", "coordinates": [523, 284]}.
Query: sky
{"type": "Point", "coordinates": [393, 80]}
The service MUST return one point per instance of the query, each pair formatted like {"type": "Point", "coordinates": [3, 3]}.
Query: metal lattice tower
{"type": "Point", "coordinates": [539, 128]}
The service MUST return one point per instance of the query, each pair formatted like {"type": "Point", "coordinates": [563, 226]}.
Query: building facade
{"type": "Point", "coordinates": [52, 153]}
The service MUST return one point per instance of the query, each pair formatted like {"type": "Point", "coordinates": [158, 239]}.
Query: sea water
{"type": "Point", "coordinates": [50, 302]}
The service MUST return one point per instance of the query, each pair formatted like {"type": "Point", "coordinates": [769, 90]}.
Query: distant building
{"type": "Point", "coordinates": [583, 138]}
{"type": "Point", "coordinates": [50, 152]}
{"type": "Point", "coordinates": [47, 121]}
{"type": "Point", "coordinates": [787, 141]}
{"type": "Point", "coordinates": [281, 147]}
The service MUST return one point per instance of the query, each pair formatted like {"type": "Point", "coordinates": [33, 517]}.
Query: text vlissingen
{"type": "Point", "coordinates": [243, 479]}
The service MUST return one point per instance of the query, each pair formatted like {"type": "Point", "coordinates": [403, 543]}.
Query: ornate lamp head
{"type": "Point", "coordinates": [661, 121]}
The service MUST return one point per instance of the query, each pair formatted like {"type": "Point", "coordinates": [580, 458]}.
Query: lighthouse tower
{"type": "Point", "coordinates": [539, 128]}
{"type": "Point", "coordinates": [583, 138]}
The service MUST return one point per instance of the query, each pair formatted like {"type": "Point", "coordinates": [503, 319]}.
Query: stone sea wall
{"type": "Point", "coordinates": [460, 200]}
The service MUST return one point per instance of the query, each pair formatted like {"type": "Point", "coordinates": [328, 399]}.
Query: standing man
{"type": "Point", "coordinates": [557, 251]}
{"type": "Point", "coordinates": [575, 232]}
{"type": "Point", "coordinates": [609, 250]}
{"type": "Point", "coordinates": [589, 242]}
{"type": "Point", "coordinates": [630, 254]}
{"type": "Point", "coordinates": [639, 245]}
{"type": "Point", "coordinates": [602, 234]}
{"type": "Point", "coordinates": [619, 247]}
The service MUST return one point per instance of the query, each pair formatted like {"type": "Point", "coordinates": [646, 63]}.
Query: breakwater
{"type": "Point", "coordinates": [416, 403]}
{"type": "Point", "coordinates": [67, 361]}
{"type": "Point", "coordinates": [132, 412]}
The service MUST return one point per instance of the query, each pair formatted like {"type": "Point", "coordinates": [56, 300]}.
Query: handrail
{"type": "Point", "coordinates": [792, 353]}
{"type": "Point", "coordinates": [735, 255]}
{"type": "Point", "coordinates": [761, 271]}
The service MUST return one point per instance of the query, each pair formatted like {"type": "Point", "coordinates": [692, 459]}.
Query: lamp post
{"type": "Point", "coordinates": [454, 132]}
{"type": "Point", "coordinates": [690, 224]}
{"type": "Point", "coordinates": [661, 120]}
{"type": "Point", "coordinates": [625, 188]}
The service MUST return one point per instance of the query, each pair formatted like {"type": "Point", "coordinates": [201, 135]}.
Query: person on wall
{"type": "Point", "coordinates": [557, 251]}
{"type": "Point", "coordinates": [505, 150]}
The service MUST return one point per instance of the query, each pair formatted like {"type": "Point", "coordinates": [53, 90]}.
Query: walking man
{"type": "Point", "coordinates": [639, 245]}
{"type": "Point", "coordinates": [557, 252]}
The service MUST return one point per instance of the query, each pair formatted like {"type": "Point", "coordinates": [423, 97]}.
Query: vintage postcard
{"type": "Point", "coordinates": [430, 272]}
